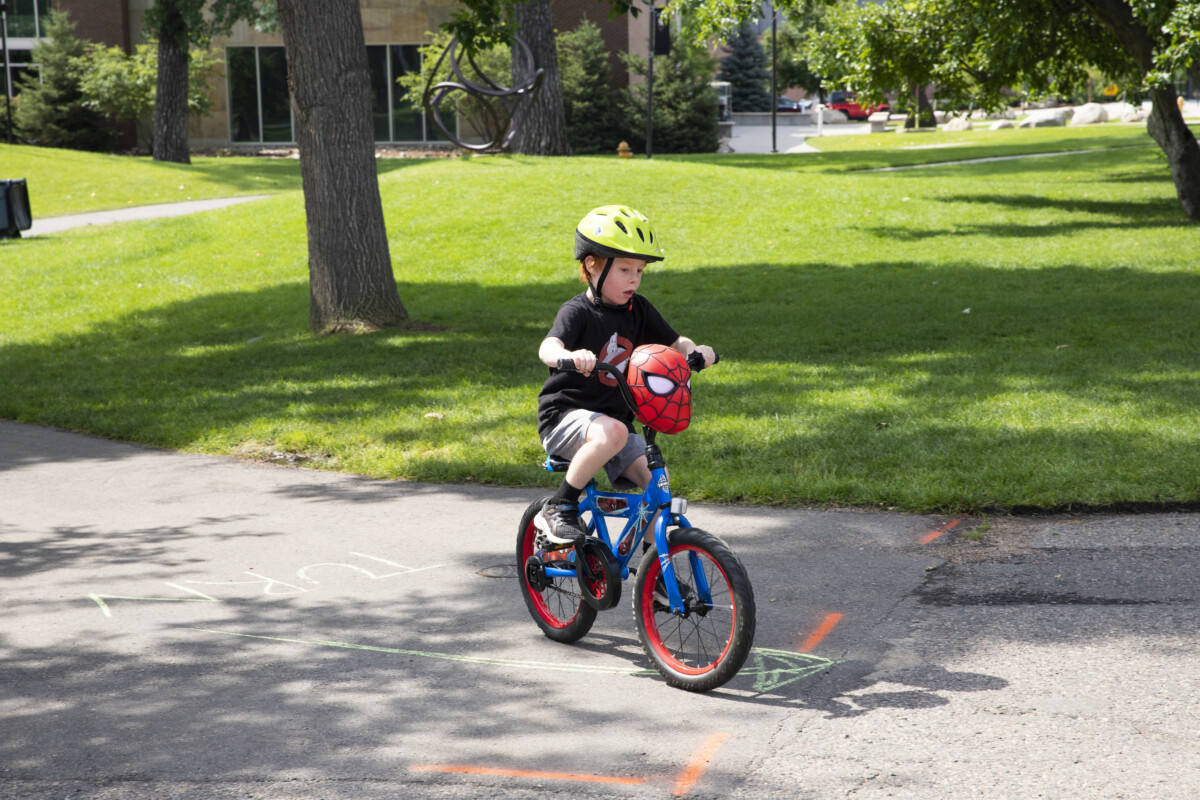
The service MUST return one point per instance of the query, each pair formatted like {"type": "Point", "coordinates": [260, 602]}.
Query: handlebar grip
{"type": "Point", "coordinates": [566, 365]}
{"type": "Point", "coordinates": [695, 360]}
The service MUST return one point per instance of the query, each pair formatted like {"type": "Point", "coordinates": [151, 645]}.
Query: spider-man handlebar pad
{"type": "Point", "coordinates": [695, 360]}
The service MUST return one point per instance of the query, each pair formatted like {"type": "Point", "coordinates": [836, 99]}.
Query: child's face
{"type": "Point", "coordinates": [622, 280]}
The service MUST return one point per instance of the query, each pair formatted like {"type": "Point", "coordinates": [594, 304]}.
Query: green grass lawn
{"type": "Point", "coordinates": [852, 371]}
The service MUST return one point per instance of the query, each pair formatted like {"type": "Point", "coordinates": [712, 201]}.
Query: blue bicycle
{"type": "Point", "coordinates": [692, 603]}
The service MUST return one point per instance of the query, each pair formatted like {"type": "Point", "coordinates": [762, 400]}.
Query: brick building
{"type": "Point", "coordinates": [251, 103]}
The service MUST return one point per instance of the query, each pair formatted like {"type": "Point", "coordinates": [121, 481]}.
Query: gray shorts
{"type": "Point", "coordinates": [571, 433]}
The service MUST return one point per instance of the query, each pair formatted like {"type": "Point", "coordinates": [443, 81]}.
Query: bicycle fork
{"type": "Point", "coordinates": [671, 511]}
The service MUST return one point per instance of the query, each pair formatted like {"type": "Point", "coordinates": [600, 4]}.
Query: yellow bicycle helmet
{"type": "Point", "coordinates": [612, 232]}
{"type": "Point", "coordinates": [616, 232]}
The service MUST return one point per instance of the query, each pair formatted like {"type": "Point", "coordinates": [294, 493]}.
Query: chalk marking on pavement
{"type": "Point", "coordinates": [202, 598]}
{"type": "Point", "coordinates": [815, 638]}
{"type": "Point", "coordinates": [500, 662]}
{"type": "Point", "coordinates": [795, 666]}
{"type": "Point", "coordinates": [403, 570]}
{"type": "Point", "coordinates": [929, 537]}
{"type": "Point", "coordinates": [522, 773]}
{"type": "Point", "coordinates": [268, 583]}
{"type": "Point", "coordinates": [771, 669]}
{"type": "Point", "coordinates": [699, 763]}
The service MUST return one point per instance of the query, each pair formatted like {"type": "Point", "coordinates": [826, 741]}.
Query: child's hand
{"type": "Point", "coordinates": [710, 355]}
{"type": "Point", "coordinates": [585, 361]}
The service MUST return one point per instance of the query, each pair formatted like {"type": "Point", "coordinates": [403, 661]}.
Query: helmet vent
{"type": "Point", "coordinates": [620, 225]}
{"type": "Point", "coordinates": [641, 235]}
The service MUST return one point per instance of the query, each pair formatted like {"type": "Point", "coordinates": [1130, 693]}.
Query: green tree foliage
{"type": "Point", "coordinates": [748, 72]}
{"type": "Point", "coordinates": [591, 104]}
{"type": "Point", "coordinates": [122, 86]}
{"type": "Point", "coordinates": [685, 106]}
{"type": "Point", "coordinates": [52, 112]}
{"type": "Point", "coordinates": [179, 25]}
{"type": "Point", "coordinates": [976, 51]}
{"type": "Point", "coordinates": [791, 66]}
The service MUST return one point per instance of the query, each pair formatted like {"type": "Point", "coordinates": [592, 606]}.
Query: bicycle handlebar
{"type": "Point", "coordinates": [695, 360]}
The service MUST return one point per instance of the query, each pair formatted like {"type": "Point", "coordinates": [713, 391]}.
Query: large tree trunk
{"type": "Point", "coordinates": [542, 129]}
{"type": "Point", "coordinates": [351, 286]}
{"type": "Point", "coordinates": [1166, 126]}
{"type": "Point", "coordinates": [171, 90]}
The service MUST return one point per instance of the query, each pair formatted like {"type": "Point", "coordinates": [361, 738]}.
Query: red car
{"type": "Point", "coordinates": [845, 103]}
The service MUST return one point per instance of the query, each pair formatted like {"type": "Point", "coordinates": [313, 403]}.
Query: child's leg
{"type": "Point", "coordinates": [638, 472]}
{"type": "Point", "coordinates": [605, 438]}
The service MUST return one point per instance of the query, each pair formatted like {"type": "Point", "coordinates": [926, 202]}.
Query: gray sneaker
{"type": "Point", "coordinates": [560, 523]}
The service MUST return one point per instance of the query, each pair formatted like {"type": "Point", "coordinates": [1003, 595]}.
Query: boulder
{"type": "Point", "coordinates": [1133, 115]}
{"type": "Point", "coordinates": [958, 124]}
{"type": "Point", "coordinates": [1089, 114]}
{"type": "Point", "coordinates": [828, 115]}
{"type": "Point", "coordinates": [1047, 118]}
{"type": "Point", "coordinates": [1000, 124]}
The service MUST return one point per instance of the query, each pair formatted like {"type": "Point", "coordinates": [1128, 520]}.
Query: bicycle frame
{"type": "Point", "coordinates": [654, 503]}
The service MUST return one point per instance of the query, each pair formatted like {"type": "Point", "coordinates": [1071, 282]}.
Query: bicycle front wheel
{"type": "Point", "coordinates": [707, 644]}
{"type": "Point", "coordinates": [555, 604]}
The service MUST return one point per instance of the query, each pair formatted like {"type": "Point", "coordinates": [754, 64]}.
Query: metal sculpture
{"type": "Point", "coordinates": [495, 111]}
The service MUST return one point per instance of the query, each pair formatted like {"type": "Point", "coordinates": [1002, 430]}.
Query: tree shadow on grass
{"type": "Point", "coordinates": [1116, 346]}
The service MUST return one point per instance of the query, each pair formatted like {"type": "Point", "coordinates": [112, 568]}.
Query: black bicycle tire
{"type": "Point", "coordinates": [552, 625]}
{"type": "Point", "coordinates": [741, 593]}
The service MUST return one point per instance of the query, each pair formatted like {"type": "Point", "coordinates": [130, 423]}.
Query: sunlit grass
{"type": "Point", "coordinates": [1017, 333]}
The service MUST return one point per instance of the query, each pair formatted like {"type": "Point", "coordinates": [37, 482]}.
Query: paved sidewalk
{"type": "Point", "coordinates": [181, 626]}
{"type": "Point", "coordinates": [788, 138]}
{"type": "Point", "coordinates": [56, 224]}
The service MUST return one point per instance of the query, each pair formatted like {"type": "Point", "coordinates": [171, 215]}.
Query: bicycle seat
{"type": "Point", "coordinates": [560, 464]}
{"type": "Point", "coordinates": [557, 463]}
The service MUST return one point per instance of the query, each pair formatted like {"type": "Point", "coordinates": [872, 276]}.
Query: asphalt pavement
{"type": "Point", "coordinates": [179, 625]}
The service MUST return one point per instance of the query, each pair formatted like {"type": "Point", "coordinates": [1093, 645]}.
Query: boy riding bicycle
{"type": "Point", "coordinates": [581, 415]}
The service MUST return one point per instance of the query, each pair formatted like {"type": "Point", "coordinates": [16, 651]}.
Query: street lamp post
{"type": "Point", "coordinates": [774, 88]}
{"type": "Point", "coordinates": [7, 70]}
{"type": "Point", "coordinates": [650, 82]}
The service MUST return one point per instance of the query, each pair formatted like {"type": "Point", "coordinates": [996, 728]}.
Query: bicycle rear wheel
{"type": "Point", "coordinates": [557, 606]}
{"type": "Point", "coordinates": [705, 646]}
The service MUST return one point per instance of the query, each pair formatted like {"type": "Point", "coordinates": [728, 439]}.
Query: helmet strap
{"type": "Point", "coordinates": [597, 298]}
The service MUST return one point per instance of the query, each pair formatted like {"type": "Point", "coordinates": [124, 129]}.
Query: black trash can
{"type": "Point", "coordinates": [14, 209]}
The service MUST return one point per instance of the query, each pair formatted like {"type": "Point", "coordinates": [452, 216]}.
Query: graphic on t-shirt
{"type": "Point", "coordinates": [616, 352]}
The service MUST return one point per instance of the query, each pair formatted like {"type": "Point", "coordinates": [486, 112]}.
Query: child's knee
{"type": "Point", "coordinates": [610, 431]}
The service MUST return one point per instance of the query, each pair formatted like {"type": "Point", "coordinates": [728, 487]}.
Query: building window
{"type": "Point", "coordinates": [260, 109]}
{"type": "Point", "coordinates": [26, 18]}
{"type": "Point", "coordinates": [397, 117]}
{"type": "Point", "coordinates": [18, 64]}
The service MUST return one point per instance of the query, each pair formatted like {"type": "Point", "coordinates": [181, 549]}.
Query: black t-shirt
{"type": "Point", "coordinates": [609, 333]}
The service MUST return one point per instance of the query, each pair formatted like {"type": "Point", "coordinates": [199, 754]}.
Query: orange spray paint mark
{"type": "Point", "coordinates": [814, 638]}
{"type": "Point", "coordinates": [929, 537]}
{"type": "Point", "coordinates": [691, 774]}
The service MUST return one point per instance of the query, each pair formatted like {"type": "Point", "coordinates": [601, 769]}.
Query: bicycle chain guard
{"type": "Point", "coordinates": [598, 574]}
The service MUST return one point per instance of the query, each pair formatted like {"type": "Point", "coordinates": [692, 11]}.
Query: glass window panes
{"type": "Point", "coordinates": [406, 115]}
{"type": "Point", "coordinates": [241, 66]}
{"type": "Point", "coordinates": [276, 104]}
{"type": "Point", "coordinates": [377, 62]}
{"type": "Point", "coordinates": [260, 108]}
{"type": "Point", "coordinates": [27, 18]}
